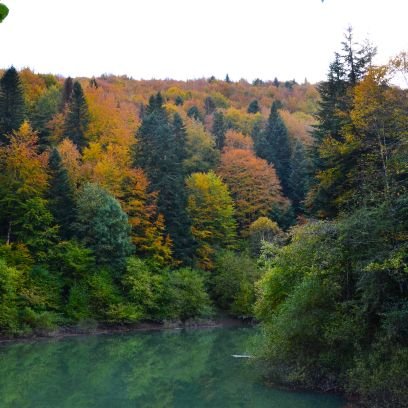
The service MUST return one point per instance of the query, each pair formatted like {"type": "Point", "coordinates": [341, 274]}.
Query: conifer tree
{"type": "Point", "coordinates": [219, 129]}
{"type": "Point", "coordinates": [274, 146]}
{"type": "Point", "coordinates": [66, 94]}
{"type": "Point", "coordinates": [298, 177]}
{"type": "Point", "coordinates": [11, 103]}
{"type": "Point", "coordinates": [209, 105]}
{"type": "Point", "coordinates": [227, 79]}
{"type": "Point", "coordinates": [159, 143]}
{"type": "Point", "coordinates": [44, 110]}
{"type": "Point", "coordinates": [77, 119]}
{"type": "Point", "coordinates": [60, 195]}
{"type": "Point", "coordinates": [180, 138]}
{"type": "Point", "coordinates": [103, 226]}
{"type": "Point", "coordinates": [194, 113]}
{"type": "Point", "coordinates": [253, 107]}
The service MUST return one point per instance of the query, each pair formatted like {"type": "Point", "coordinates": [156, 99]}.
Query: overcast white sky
{"type": "Point", "coordinates": [186, 39]}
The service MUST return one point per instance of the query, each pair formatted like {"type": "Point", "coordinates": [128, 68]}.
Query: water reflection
{"type": "Point", "coordinates": [150, 370]}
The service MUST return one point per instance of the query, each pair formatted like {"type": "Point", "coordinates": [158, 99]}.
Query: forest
{"type": "Point", "coordinates": [124, 201]}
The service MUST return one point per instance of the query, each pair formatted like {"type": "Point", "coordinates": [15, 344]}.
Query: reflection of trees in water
{"type": "Point", "coordinates": [145, 370]}
{"type": "Point", "coordinates": [85, 372]}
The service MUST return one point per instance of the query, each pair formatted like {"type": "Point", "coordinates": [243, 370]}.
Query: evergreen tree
{"type": "Point", "coordinates": [77, 119]}
{"type": "Point", "coordinates": [179, 101]}
{"type": "Point", "coordinates": [274, 146]}
{"type": "Point", "coordinates": [103, 226]}
{"type": "Point", "coordinates": [60, 195]}
{"type": "Point", "coordinates": [276, 82]}
{"type": "Point", "coordinates": [227, 79]}
{"type": "Point", "coordinates": [298, 177]}
{"type": "Point", "coordinates": [11, 103]}
{"type": "Point", "coordinates": [194, 113]}
{"type": "Point", "coordinates": [219, 129]}
{"type": "Point", "coordinates": [253, 107]}
{"type": "Point", "coordinates": [157, 150]}
{"type": "Point", "coordinates": [333, 118]}
{"type": "Point", "coordinates": [180, 138]}
{"type": "Point", "coordinates": [44, 110]}
{"type": "Point", "coordinates": [209, 105]}
{"type": "Point", "coordinates": [66, 94]}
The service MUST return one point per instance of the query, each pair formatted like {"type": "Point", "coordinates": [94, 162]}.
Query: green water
{"type": "Point", "coordinates": [182, 369]}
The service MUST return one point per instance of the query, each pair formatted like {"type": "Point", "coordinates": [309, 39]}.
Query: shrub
{"type": "Point", "coordinates": [233, 283]}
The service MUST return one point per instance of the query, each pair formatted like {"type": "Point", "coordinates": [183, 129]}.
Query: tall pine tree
{"type": "Point", "coordinates": [273, 145]}
{"type": "Point", "coordinates": [298, 177]}
{"type": "Point", "coordinates": [77, 119]}
{"type": "Point", "coordinates": [66, 94]}
{"type": "Point", "coordinates": [11, 103]}
{"type": "Point", "coordinates": [219, 129]}
{"type": "Point", "coordinates": [333, 118]}
{"type": "Point", "coordinates": [60, 195]}
{"type": "Point", "coordinates": [159, 145]}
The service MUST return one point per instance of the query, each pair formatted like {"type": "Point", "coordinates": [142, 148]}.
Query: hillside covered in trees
{"type": "Point", "coordinates": [124, 200]}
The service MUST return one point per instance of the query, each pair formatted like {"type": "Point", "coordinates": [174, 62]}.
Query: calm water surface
{"type": "Point", "coordinates": [183, 369]}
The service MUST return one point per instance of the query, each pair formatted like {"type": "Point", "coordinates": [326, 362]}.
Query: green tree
{"type": "Point", "coordinates": [299, 178]}
{"type": "Point", "coordinates": [35, 227]}
{"type": "Point", "coordinates": [44, 110]}
{"type": "Point", "coordinates": [254, 107]}
{"type": "Point", "coordinates": [219, 129]}
{"type": "Point", "coordinates": [10, 283]}
{"type": "Point", "coordinates": [77, 118]}
{"type": "Point", "coordinates": [61, 195]}
{"type": "Point", "coordinates": [103, 226]}
{"type": "Point", "coordinates": [209, 105]}
{"type": "Point", "coordinates": [3, 12]}
{"type": "Point", "coordinates": [66, 95]}
{"type": "Point", "coordinates": [194, 113]}
{"type": "Point", "coordinates": [274, 146]}
{"type": "Point", "coordinates": [11, 103]}
{"type": "Point", "coordinates": [156, 152]}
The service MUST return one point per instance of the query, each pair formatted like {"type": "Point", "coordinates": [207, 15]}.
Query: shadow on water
{"type": "Point", "coordinates": [182, 369]}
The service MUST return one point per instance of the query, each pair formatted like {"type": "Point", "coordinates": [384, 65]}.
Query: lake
{"type": "Point", "coordinates": [172, 368]}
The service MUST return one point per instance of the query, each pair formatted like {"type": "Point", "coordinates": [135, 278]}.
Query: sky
{"type": "Point", "coordinates": [188, 39]}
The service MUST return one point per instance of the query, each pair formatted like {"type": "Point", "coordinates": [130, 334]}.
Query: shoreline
{"type": "Point", "coordinates": [145, 326]}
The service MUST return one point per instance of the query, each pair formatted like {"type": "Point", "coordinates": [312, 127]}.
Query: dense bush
{"type": "Point", "coordinates": [233, 282]}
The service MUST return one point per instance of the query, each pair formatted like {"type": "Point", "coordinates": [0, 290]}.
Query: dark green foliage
{"type": "Point", "coordinates": [103, 226]}
{"type": "Point", "coordinates": [180, 138]}
{"type": "Point", "coordinates": [160, 295]}
{"type": "Point", "coordinates": [233, 283]}
{"type": "Point", "coordinates": [227, 79]}
{"type": "Point", "coordinates": [66, 95]}
{"type": "Point", "coordinates": [254, 107]}
{"type": "Point", "coordinates": [276, 82]}
{"type": "Point", "coordinates": [333, 117]}
{"type": "Point", "coordinates": [274, 146]}
{"type": "Point", "coordinates": [11, 103]}
{"type": "Point", "coordinates": [219, 129]}
{"type": "Point", "coordinates": [77, 118]}
{"type": "Point", "coordinates": [36, 227]}
{"type": "Point", "coordinates": [194, 113]}
{"type": "Point", "coordinates": [209, 105]}
{"type": "Point", "coordinates": [10, 282]}
{"type": "Point", "coordinates": [44, 110]}
{"type": "Point", "coordinates": [186, 295]}
{"type": "Point", "coordinates": [299, 178]}
{"type": "Point", "coordinates": [179, 101]}
{"type": "Point", "coordinates": [3, 12]}
{"type": "Point", "coordinates": [159, 142]}
{"type": "Point", "coordinates": [60, 195]}
{"type": "Point", "coordinates": [257, 82]}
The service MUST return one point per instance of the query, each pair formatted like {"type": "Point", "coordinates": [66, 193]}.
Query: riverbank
{"type": "Point", "coordinates": [91, 327]}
